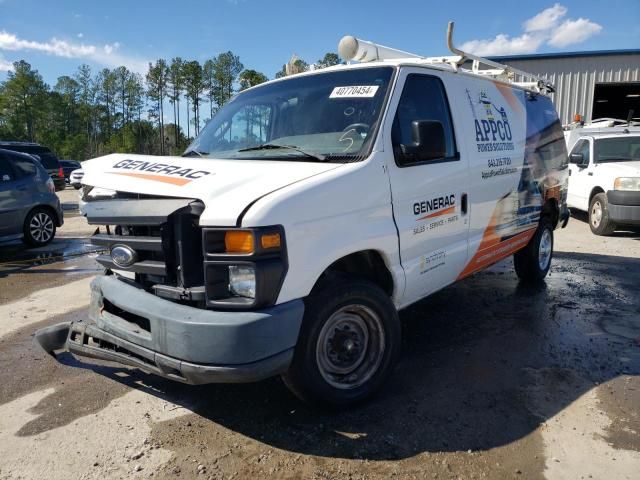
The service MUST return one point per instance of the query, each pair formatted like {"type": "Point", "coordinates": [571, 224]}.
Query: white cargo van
{"type": "Point", "coordinates": [604, 173]}
{"type": "Point", "coordinates": [309, 211]}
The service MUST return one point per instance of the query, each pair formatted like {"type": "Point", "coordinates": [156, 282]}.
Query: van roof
{"type": "Point", "coordinates": [427, 63]}
{"type": "Point", "coordinates": [372, 54]}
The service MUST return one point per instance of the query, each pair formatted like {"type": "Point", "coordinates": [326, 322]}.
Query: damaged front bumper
{"type": "Point", "coordinates": [133, 327]}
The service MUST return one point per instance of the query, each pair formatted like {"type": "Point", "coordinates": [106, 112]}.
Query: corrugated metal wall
{"type": "Point", "coordinates": [575, 78]}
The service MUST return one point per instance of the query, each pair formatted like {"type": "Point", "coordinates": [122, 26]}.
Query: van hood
{"type": "Point", "coordinates": [226, 187]}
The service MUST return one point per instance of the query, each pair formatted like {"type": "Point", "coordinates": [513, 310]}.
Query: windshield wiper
{"type": "Point", "coordinates": [274, 146]}
{"type": "Point", "coordinates": [193, 153]}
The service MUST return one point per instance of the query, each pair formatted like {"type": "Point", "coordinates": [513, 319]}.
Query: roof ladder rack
{"type": "Point", "coordinates": [498, 70]}
{"type": "Point", "coordinates": [351, 48]}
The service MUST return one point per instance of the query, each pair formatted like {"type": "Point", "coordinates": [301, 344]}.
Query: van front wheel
{"type": "Point", "coordinates": [348, 344]}
{"type": "Point", "coordinates": [532, 263]}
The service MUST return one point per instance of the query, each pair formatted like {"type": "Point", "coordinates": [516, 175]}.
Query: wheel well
{"type": "Point", "coordinates": [49, 209]}
{"type": "Point", "coordinates": [365, 264]}
{"type": "Point", "coordinates": [594, 192]}
{"type": "Point", "coordinates": [550, 210]}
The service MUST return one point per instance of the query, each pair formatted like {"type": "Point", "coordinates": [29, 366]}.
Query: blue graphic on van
{"type": "Point", "coordinates": [493, 132]}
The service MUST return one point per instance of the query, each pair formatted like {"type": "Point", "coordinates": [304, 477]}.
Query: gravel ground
{"type": "Point", "coordinates": [496, 380]}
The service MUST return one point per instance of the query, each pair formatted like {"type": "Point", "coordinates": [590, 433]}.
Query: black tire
{"type": "Point", "coordinates": [599, 220]}
{"type": "Point", "coordinates": [39, 227]}
{"type": "Point", "coordinates": [532, 263]}
{"type": "Point", "coordinates": [328, 361]}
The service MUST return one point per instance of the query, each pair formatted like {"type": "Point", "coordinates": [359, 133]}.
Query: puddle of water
{"type": "Point", "coordinates": [14, 258]}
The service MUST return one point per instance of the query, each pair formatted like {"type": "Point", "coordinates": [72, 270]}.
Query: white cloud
{"type": "Point", "coordinates": [574, 31]}
{"type": "Point", "coordinates": [543, 28]}
{"type": "Point", "coordinates": [546, 19]}
{"type": "Point", "coordinates": [107, 55]}
{"type": "Point", "coordinates": [504, 45]}
{"type": "Point", "coordinates": [5, 66]}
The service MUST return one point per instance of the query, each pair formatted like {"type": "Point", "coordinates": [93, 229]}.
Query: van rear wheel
{"type": "Point", "coordinates": [348, 344]}
{"type": "Point", "coordinates": [532, 263]}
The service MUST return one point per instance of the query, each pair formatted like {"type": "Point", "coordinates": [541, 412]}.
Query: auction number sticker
{"type": "Point", "coordinates": [354, 91]}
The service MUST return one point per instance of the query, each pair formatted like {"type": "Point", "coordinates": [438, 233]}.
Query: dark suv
{"type": "Point", "coordinates": [48, 159]}
{"type": "Point", "coordinates": [29, 207]}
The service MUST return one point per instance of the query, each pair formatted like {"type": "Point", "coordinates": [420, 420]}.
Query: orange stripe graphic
{"type": "Point", "coordinates": [438, 213]}
{"type": "Point", "coordinates": [510, 96]}
{"type": "Point", "coordinates": [495, 252]}
{"type": "Point", "coordinates": [156, 178]}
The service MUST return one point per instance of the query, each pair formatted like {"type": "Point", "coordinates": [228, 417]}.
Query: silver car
{"type": "Point", "coordinates": [29, 207]}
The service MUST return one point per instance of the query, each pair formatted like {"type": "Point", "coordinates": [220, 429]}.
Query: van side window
{"type": "Point", "coordinates": [545, 139]}
{"type": "Point", "coordinates": [423, 98]}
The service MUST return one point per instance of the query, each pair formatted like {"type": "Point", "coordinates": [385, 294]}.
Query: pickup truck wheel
{"type": "Point", "coordinates": [532, 263]}
{"type": "Point", "coordinates": [39, 227]}
{"type": "Point", "coordinates": [348, 344]}
{"type": "Point", "coordinates": [599, 220]}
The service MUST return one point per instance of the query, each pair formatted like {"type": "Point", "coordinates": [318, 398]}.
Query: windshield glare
{"type": "Point", "coordinates": [619, 149]}
{"type": "Point", "coordinates": [334, 114]}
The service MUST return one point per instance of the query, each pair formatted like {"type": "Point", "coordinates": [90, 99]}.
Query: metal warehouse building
{"type": "Point", "coordinates": [595, 84]}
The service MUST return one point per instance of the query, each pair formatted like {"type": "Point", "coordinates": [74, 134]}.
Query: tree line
{"type": "Point", "coordinates": [88, 114]}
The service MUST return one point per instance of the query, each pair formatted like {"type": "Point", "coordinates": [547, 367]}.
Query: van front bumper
{"type": "Point", "coordinates": [624, 207]}
{"type": "Point", "coordinates": [131, 326]}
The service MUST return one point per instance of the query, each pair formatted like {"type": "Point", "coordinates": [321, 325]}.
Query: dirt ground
{"type": "Point", "coordinates": [497, 380]}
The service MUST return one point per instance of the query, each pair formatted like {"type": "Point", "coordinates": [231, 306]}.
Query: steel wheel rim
{"type": "Point", "coordinates": [596, 214]}
{"type": "Point", "coordinates": [544, 251]}
{"type": "Point", "coordinates": [350, 347]}
{"type": "Point", "coordinates": [41, 227]}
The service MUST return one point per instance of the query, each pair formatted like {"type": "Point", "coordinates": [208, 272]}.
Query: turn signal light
{"type": "Point", "coordinates": [238, 241]}
{"type": "Point", "coordinates": [270, 240]}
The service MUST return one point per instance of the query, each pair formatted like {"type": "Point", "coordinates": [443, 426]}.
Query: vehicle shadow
{"type": "Point", "coordinates": [485, 361]}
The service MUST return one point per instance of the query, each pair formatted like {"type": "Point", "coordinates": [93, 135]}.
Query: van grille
{"type": "Point", "coordinates": [169, 259]}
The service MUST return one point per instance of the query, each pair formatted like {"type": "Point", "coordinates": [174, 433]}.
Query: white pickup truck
{"type": "Point", "coordinates": [605, 175]}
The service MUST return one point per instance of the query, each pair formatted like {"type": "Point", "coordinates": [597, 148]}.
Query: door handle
{"type": "Point", "coordinates": [590, 174]}
{"type": "Point", "coordinates": [464, 204]}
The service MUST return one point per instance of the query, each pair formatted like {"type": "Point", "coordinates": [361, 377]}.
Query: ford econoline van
{"type": "Point", "coordinates": [310, 211]}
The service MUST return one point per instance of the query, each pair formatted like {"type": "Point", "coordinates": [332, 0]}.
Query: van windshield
{"type": "Point", "coordinates": [330, 116]}
{"type": "Point", "coordinates": [617, 149]}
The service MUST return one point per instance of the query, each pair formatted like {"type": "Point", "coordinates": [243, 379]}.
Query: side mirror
{"type": "Point", "coordinates": [428, 142]}
{"type": "Point", "coordinates": [578, 159]}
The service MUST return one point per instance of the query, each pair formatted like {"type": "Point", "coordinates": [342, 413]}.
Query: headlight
{"type": "Point", "coordinates": [626, 183]}
{"type": "Point", "coordinates": [90, 193]}
{"type": "Point", "coordinates": [244, 268]}
{"type": "Point", "coordinates": [242, 281]}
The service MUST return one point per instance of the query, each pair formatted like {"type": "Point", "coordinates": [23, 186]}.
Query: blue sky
{"type": "Point", "coordinates": [55, 36]}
